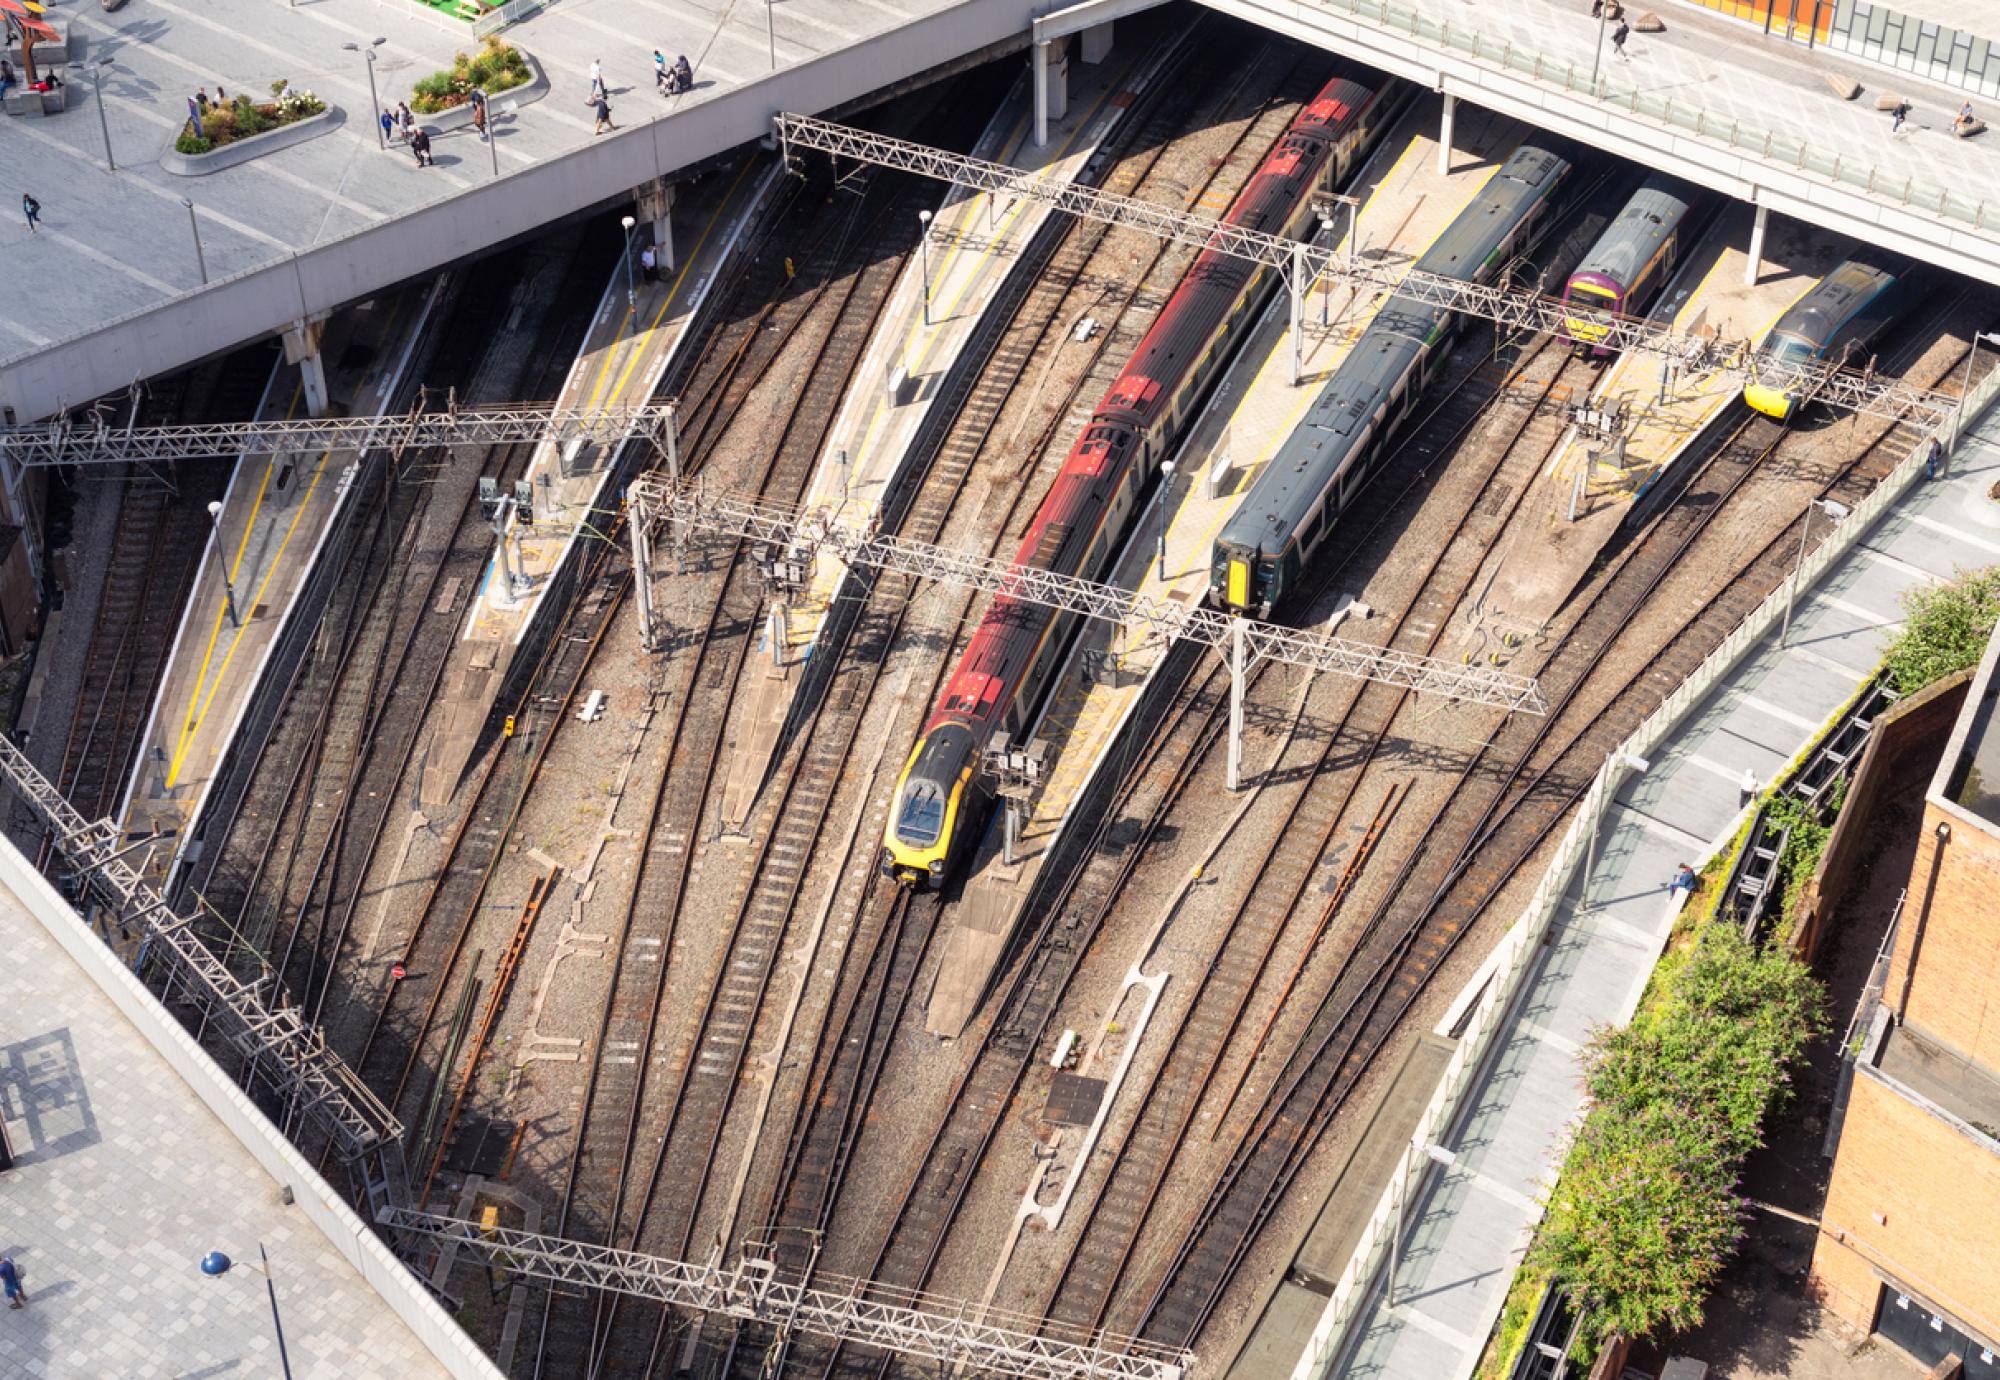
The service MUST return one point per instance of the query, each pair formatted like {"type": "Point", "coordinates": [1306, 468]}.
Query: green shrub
{"type": "Point", "coordinates": [190, 142]}
{"type": "Point", "coordinates": [496, 67]}
{"type": "Point", "coordinates": [1645, 1214]}
{"type": "Point", "coordinates": [1946, 630]}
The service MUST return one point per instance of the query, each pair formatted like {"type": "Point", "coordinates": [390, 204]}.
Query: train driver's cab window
{"type": "Point", "coordinates": [1793, 351]}
{"type": "Point", "coordinates": [923, 817]}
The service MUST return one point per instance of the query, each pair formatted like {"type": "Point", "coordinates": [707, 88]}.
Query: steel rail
{"type": "Point", "coordinates": [1302, 263]}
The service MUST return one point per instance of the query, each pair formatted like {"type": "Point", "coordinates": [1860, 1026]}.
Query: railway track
{"type": "Point", "coordinates": [1500, 817]}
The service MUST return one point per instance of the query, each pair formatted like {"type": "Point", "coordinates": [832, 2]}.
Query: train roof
{"type": "Point", "coordinates": [1531, 174]}
{"type": "Point", "coordinates": [1824, 309]}
{"type": "Point", "coordinates": [1636, 233]}
{"type": "Point", "coordinates": [1337, 100]}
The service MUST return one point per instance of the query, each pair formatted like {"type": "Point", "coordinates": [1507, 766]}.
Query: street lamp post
{"type": "Point", "coordinates": [924, 247]}
{"type": "Point", "coordinates": [486, 126]}
{"type": "Point", "coordinates": [1436, 1154]}
{"type": "Point", "coordinates": [1597, 58]}
{"type": "Point", "coordinates": [374, 101]}
{"type": "Point", "coordinates": [1832, 509]}
{"type": "Point", "coordinates": [200, 260]}
{"type": "Point", "coordinates": [1160, 551]}
{"type": "Point", "coordinates": [631, 292]}
{"type": "Point", "coordinates": [103, 123]}
{"type": "Point", "coordinates": [222, 559]}
{"type": "Point", "coordinates": [771, 34]}
{"type": "Point", "coordinates": [215, 1264]}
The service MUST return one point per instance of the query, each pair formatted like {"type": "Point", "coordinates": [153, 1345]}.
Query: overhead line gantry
{"type": "Point", "coordinates": [797, 538]}
{"type": "Point", "coordinates": [950, 1332]}
{"type": "Point", "coordinates": [1303, 264]}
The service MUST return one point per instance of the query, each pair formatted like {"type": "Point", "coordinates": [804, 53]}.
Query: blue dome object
{"type": "Point", "coordinates": [215, 1263]}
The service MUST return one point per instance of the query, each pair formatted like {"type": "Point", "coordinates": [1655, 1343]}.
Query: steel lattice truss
{"type": "Point", "coordinates": [292, 1058]}
{"type": "Point", "coordinates": [1517, 308]}
{"type": "Point", "coordinates": [91, 440]}
{"type": "Point", "coordinates": [951, 1331]}
{"type": "Point", "coordinates": [655, 497]}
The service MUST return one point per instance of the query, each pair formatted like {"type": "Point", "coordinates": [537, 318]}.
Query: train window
{"type": "Point", "coordinates": [922, 820]}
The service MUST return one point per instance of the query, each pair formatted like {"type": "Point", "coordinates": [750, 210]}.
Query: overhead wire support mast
{"type": "Point", "coordinates": [287, 1054]}
{"type": "Point", "coordinates": [1303, 263]}
{"type": "Point", "coordinates": [855, 1311]}
{"type": "Point", "coordinates": [799, 537]}
{"type": "Point", "coordinates": [89, 439]}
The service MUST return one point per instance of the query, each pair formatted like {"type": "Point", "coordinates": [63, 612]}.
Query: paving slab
{"type": "Point", "coordinates": [1463, 1246]}
{"type": "Point", "coordinates": [125, 1181]}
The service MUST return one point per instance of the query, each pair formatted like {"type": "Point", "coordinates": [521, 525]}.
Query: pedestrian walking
{"type": "Point", "coordinates": [1684, 881]}
{"type": "Point", "coordinates": [420, 145]}
{"type": "Point", "coordinates": [1618, 37]}
{"type": "Point", "coordinates": [1896, 120]}
{"type": "Point", "coordinates": [407, 119]}
{"type": "Point", "coordinates": [596, 77]}
{"type": "Point", "coordinates": [648, 264]}
{"type": "Point", "coordinates": [603, 109]}
{"type": "Point", "coordinates": [1934, 460]}
{"type": "Point", "coordinates": [479, 113]}
{"type": "Point", "coordinates": [1747, 788]}
{"type": "Point", "coordinates": [660, 72]}
{"type": "Point", "coordinates": [10, 1276]}
{"type": "Point", "coordinates": [388, 125]}
{"type": "Point", "coordinates": [32, 209]}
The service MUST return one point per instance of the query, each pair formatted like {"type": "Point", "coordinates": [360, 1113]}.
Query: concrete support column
{"type": "Point", "coordinates": [1444, 134]}
{"type": "Point", "coordinates": [302, 348]}
{"type": "Point", "coordinates": [656, 204]}
{"type": "Point", "coordinates": [1754, 269]}
{"type": "Point", "coordinates": [1051, 86]}
{"type": "Point", "coordinates": [1096, 44]}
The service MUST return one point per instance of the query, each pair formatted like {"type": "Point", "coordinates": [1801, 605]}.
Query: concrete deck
{"type": "Point", "coordinates": [125, 1181]}
{"type": "Point", "coordinates": [275, 516]}
{"type": "Point", "coordinates": [976, 243]}
{"type": "Point", "coordinates": [1545, 553]}
{"type": "Point", "coordinates": [303, 230]}
{"type": "Point", "coordinates": [1710, 100]}
{"type": "Point", "coordinates": [1469, 1226]}
{"type": "Point", "coordinates": [1407, 203]}
{"type": "Point", "coordinates": [625, 353]}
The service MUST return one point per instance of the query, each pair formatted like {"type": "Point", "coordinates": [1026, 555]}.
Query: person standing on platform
{"type": "Point", "coordinates": [11, 1278]}
{"type": "Point", "coordinates": [32, 209]}
{"type": "Point", "coordinates": [388, 126]}
{"type": "Point", "coordinates": [407, 119]}
{"type": "Point", "coordinates": [596, 77]}
{"type": "Point", "coordinates": [479, 114]}
{"type": "Point", "coordinates": [648, 264]}
{"type": "Point", "coordinates": [660, 72]}
{"type": "Point", "coordinates": [1934, 460]}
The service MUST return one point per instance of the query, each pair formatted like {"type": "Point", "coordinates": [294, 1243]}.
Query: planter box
{"type": "Point", "coordinates": [21, 101]}
{"type": "Point", "coordinates": [243, 150]}
{"type": "Point", "coordinates": [514, 97]}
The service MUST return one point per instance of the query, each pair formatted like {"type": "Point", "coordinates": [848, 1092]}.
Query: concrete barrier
{"type": "Point", "coordinates": [241, 151]}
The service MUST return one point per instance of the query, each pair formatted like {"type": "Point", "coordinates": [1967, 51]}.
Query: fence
{"type": "Point", "coordinates": [1522, 944]}
{"type": "Point", "coordinates": [1924, 196]}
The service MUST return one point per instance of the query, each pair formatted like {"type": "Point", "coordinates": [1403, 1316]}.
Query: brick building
{"type": "Point", "coordinates": [1909, 1245]}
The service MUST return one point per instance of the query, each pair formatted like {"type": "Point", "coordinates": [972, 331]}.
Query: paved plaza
{"type": "Point", "coordinates": [1469, 1229]}
{"type": "Point", "coordinates": [125, 1181]}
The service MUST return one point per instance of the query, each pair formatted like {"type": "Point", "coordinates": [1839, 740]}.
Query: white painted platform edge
{"type": "Point", "coordinates": [1522, 943]}
{"type": "Point", "coordinates": [324, 1208]}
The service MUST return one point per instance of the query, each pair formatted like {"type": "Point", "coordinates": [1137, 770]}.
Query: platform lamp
{"type": "Point", "coordinates": [1437, 1155]}
{"type": "Point", "coordinates": [1160, 551]}
{"type": "Point", "coordinates": [631, 292]}
{"type": "Point", "coordinates": [771, 33]}
{"type": "Point", "coordinates": [200, 259]}
{"type": "Point", "coordinates": [1833, 509]}
{"type": "Point", "coordinates": [1597, 57]}
{"type": "Point", "coordinates": [924, 247]}
{"type": "Point", "coordinates": [103, 123]}
{"type": "Point", "coordinates": [381, 139]}
{"type": "Point", "coordinates": [222, 559]}
{"type": "Point", "coordinates": [215, 1265]}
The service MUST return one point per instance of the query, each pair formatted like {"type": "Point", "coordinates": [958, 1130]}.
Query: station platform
{"type": "Point", "coordinates": [1546, 553]}
{"type": "Point", "coordinates": [305, 229]}
{"type": "Point", "coordinates": [1468, 1226]}
{"type": "Point", "coordinates": [976, 241]}
{"type": "Point", "coordinates": [275, 518]}
{"type": "Point", "coordinates": [626, 351]}
{"type": "Point", "coordinates": [1407, 202]}
{"type": "Point", "coordinates": [125, 1178]}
